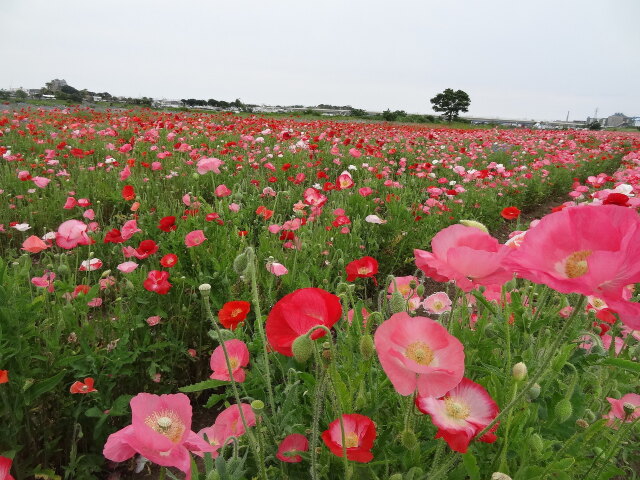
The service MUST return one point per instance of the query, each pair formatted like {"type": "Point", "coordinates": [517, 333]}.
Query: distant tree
{"type": "Point", "coordinates": [21, 94]}
{"type": "Point", "coordinates": [451, 103]}
{"type": "Point", "coordinates": [389, 116]}
{"type": "Point", "coordinates": [4, 94]}
{"type": "Point", "coordinates": [595, 125]}
{"type": "Point", "coordinates": [358, 112]}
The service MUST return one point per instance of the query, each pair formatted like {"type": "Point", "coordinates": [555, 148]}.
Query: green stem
{"type": "Point", "coordinates": [236, 393]}
{"type": "Point", "coordinates": [436, 458]}
{"type": "Point", "coordinates": [317, 408]}
{"type": "Point", "coordinates": [541, 371]}
{"type": "Point", "coordinates": [259, 322]}
{"type": "Point", "coordinates": [505, 445]}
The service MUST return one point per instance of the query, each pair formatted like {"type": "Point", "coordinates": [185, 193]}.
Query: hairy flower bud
{"type": "Point", "coordinates": [205, 287]}
{"type": "Point", "coordinates": [519, 371]}
{"type": "Point", "coordinates": [396, 476]}
{"type": "Point", "coordinates": [420, 290]}
{"type": "Point", "coordinates": [241, 264]}
{"type": "Point", "coordinates": [409, 439]}
{"type": "Point", "coordinates": [474, 224]}
{"type": "Point", "coordinates": [534, 392]}
{"type": "Point", "coordinates": [366, 347]}
{"type": "Point", "coordinates": [535, 443]}
{"type": "Point", "coordinates": [563, 410]}
{"type": "Point", "coordinates": [302, 348]}
{"type": "Point", "coordinates": [398, 303]}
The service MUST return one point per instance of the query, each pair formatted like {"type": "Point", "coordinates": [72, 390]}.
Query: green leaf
{"type": "Point", "coordinates": [205, 385]}
{"type": "Point", "coordinates": [213, 399]}
{"type": "Point", "coordinates": [563, 464]}
{"type": "Point", "coordinates": [471, 466]}
{"type": "Point", "coordinates": [39, 388]}
{"type": "Point", "coordinates": [621, 363]}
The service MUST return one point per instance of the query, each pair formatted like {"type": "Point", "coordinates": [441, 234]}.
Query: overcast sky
{"type": "Point", "coordinates": [516, 59]}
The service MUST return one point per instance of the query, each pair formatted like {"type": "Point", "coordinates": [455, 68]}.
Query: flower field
{"type": "Point", "coordinates": [188, 295]}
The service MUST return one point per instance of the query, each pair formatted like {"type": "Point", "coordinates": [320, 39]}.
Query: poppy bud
{"type": "Point", "coordinates": [500, 476]}
{"type": "Point", "coordinates": [398, 303]}
{"type": "Point", "coordinates": [473, 223]}
{"type": "Point", "coordinates": [302, 348]}
{"type": "Point", "coordinates": [582, 423]}
{"type": "Point", "coordinates": [342, 288]}
{"type": "Point", "coordinates": [375, 318]}
{"type": "Point", "coordinates": [519, 371]}
{"type": "Point", "coordinates": [366, 347]}
{"type": "Point", "coordinates": [409, 440]}
{"type": "Point", "coordinates": [396, 476]}
{"type": "Point", "coordinates": [589, 415]}
{"type": "Point", "coordinates": [241, 264]}
{"type": "Point", "coordinates": [105, 274]}
{"type": "Point", "coordinates": [534, 392]}
{"type": "Point", "coordinates": [563, 410]}
{"type": "Point", "coordinates": [420, 290]}
{"type": "Point", "coordinates": [257, 405]}
{"type": "Point", "coordinates": [213, 475]}
{"type": "Point", "coordinates": [413, 284]}
{"type": "Point", "coordinates": [205, 287]}
{"type": "Point", "coordinates": [129, 285]}
{"type": "Point", "coordinates": [535, 443]}
{"type": "Point", "coordinates": [62, 269]}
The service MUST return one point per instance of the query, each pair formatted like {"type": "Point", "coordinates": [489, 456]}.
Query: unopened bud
{"type": "Point", "coordinates": [302, 348]}
{"type": "Point", "coordinates": [535, 443]}
{"type": "Point", "coordinates": [534, 392]}
{"type": "Point", "coordinates": [205, 287]}
{"type": "Point", "coordinates": [375, 318]}
{"type": "Point", "coordinates": [257, 405]}
{"type": "Point", "coordinates": [105, 274]}
{"type": "Point", "coordinates": [396, 476]}
{"type": "Point", "coordinates": [420, 290]}
{"type": "Point", "coordinates": [413, 284]}
{"type": "Point", "coordinates": [519, 371]}
{"type": "Point", "coordinates": [500, 476]}
{"type": "Point", "coordinates": [582, 423]}
{"type": "Point", "coordinates": [241, 263]}
{"type": "Point", "coordinates": [409, 440]}
{"type": "Point", "coordinates": [563, 410]}
{"type": "Point", "coordinates": [366, 347]}
{"type": "Point", "coordinates": [589, 416]}
{"type": "Point", "coordinates": [213, 475]}
{"type": "Point", "coordinates": [63, 268]}
{"type": "Point", "coordinates": [398, 303]}
{"type": "Point", "coordinates": [474, 224]}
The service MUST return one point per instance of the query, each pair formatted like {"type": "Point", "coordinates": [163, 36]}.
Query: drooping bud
{"type": "Point", "coordinates": [375, 318]}
{"type": "Point", "coordinates": [413, 284]}
{"type": "Point", "coordinates": [500, 476]}
{"type": "Point", "coordinates": [563, 410]}
{"type": "Point", "coordinates": [534, 392]}
{"type": "Point", "coordinates": [409, 439]}
{"type": "Point", "coordinates": [241, 263]}
{"type": "Point", "coordinates": [519, 371]}
{"type": "Point", "coordinates": [474, 224]}
{"type": "Point", "coordinates": [535, 443]}
{"type": "Point", "coordinates": [398, 303]}
{"type": "Point", "coordinates": [367, 347]}
{"type": "Point", "coordinates": [302, 348]}
{"type": "Point", "coordinates": [589, 416]}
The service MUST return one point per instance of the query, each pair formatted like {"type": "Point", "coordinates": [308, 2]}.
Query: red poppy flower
{"type": "Point", "coordinates": [290, 446]}
{"type": "Point", "coordinates": [4, 376]}
{"type": "Point", "coordinates": [169, 260]}
{"type": "Point", "coordinates": [233, 313]}
{"type": "Point", "coordinates": [361, 268]}
{"type": "Point", "coordinates": [128, 193]}
{"type": "Point", "coordinates": [616, 199]}
{"type": "Point", "coordinates": [167, 224]}
{"type": "Point", "coordinates": [359, 435]}
{"type": "Point", "coordinates": [83, 387]}
{"type": "Point", "coordinates": [157, 281]}
{"type": "Point", "coordinates": [296, 313]}
{"type": "Point", "coordinates": [147, 247]}
{"type": "Point", "coordinates": [113, 236]}
{"type": "Point", "coordinates": [510, 213]}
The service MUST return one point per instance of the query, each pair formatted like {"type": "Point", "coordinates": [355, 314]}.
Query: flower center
{"type": "Point", "coordinates": [233, 361]}
{"type": "Point", "coordinates": [236, 312]}
{"type": "Point", "coordinates": [167, 423]}
{"type": "Point", "coordinates": [576, 264]}
{"type": "Point", "coordinates": [438, 305]}
{"type": "Point", "coordinates": [419, 352]}
{"type": "Point", "coordinates": [457, 410]}
{"type": "Point", "coordinates": [351, 440]}
{"type": "Point", "coordinates": [363, 270]}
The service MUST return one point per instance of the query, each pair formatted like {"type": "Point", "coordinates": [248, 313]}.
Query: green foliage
{"type": "Point", "coordinates": [451, 103]}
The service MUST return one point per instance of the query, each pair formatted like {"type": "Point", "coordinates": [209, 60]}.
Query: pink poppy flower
{"type": "Point", "coordinates": [234, 207]}
{"type": "Point", "coordinates": [228, 424]}
{"type": "Point", "coordinates": [277, 269]}
{"type": "Point", "coordinates": [345, 180]}
{"type": "Point", "coordinates": [461, 414]}
{"type": "Point", "coordinates": [365, 191]}
{"type": "Point", "coordinates": [438, 303]}
{"type": "Point", "coordinates": [418, 353]}
{"type": "Point", "coordinates": [34, 245]}
{"type": "Point", "coordinates": [129, 229]}
{"type": "Point", "coordinates": [70, 203]}
{"type": "Point", "coordinates": [359, 435]}
{"type": "Point", "coordinates": [313, 197]}
{"type": "Point", "coordinates": [127, 267]}
{"type": "Point", "coordinates": [96, 302]}
{"type": "Point", "coordinates": [41, 182]}
{"type": "Point", "coordinates": [617, 408]}
{"type": "Point", "coordinates": [90, 265]}
{"type": "Point", "coordinates": [160, 431]}
{"type": "Point", "coordinates": [195, 238]}
{"type": "Point", "coordinates": [238, 358]}
{"type": "Point", "coordinates": [209, 165]}
{"type": "Point", "coordinates": [72, 233]}
{"type": "Point", "coordinates": [154, 320]}
{"type": "Point", "coordinates": [45, 281]}
{"type": "Point", "coordinates": [402, 285]}
{"type": "Point", "coordinates": [5, 467]}
{"type": "Point", "coordinates": [592, 250]}
{"type": "Point", "coordinates": [157, 281]}
{"type": "Point", "coordinates": [290, 446]}
{"type": "Point", "coordinates": [466, 255]}
{"type": "Point", "coordinates": [222, 191]}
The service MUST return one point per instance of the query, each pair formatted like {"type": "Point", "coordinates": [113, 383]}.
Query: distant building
{"type": "Point", "coordinates": [56, 84]}
{"type": "Point", "coordinates": [635, 121]}
{"type": "Point", "coordinates": [617, 120]}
